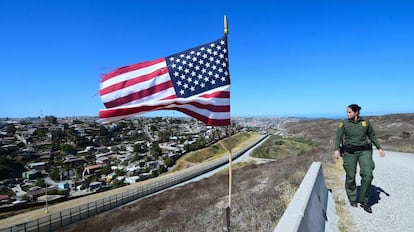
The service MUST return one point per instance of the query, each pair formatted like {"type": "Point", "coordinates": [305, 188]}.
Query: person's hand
{"type": "Point", "coordinates": [381, 153]}
{"type": "Point", "coordinates": [337, 154]}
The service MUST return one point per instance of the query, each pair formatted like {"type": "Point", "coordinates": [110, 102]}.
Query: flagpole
{"type": "Point", "coordinates": [226, 32]}
{"type": "Point", "coordinates": [230, 164]}
{"type": "Point", "coordinates": [226, 26]}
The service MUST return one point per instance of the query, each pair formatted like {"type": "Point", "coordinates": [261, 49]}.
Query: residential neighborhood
{"type": "Point", "coordinates": [74, 156]}
{"type": "Point", "coordinates": [54, 159]}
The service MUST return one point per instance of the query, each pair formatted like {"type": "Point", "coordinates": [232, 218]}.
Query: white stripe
{"type": "Point", "coordinates": [132, 74]}
{"type": "Point", "coordinates": [204, 112]}
{"type": "Point", "coordinates": [136, 88]}
{"type": "Point", "coordinates": [153, 98]}
{"type": "Point", "coordinates": [212, 101]}
{"type": "Point", "coordinates": [224, 88]}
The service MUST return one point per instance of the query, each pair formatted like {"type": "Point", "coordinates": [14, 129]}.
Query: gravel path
{"type": "Point", "coordinates": [391, 195]}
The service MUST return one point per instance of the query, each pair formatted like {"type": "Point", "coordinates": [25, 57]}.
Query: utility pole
{"type": "Point", "coordinates": [47, 210]}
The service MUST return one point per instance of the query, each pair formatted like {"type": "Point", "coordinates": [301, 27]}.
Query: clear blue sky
{"type": "Point", "coordinates": [287, 58]}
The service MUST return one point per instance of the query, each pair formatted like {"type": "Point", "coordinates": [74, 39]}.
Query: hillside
{"type": "Point", "coordinates": [261, 192]}
{"type": "Point", "coordinates": [395, 131]}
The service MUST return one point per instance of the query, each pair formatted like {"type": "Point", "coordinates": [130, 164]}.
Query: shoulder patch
{"type": "Point", "coordinates": [364, 123]}
{"type": "Point", "coordinates": [341, 124]}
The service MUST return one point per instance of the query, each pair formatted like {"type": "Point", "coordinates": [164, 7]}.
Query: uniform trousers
{"type": "Point", "coordinates": [366, 165]}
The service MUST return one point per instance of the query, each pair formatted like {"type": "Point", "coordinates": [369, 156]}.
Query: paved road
{"type": "Point", "coordinates": [391, 195]}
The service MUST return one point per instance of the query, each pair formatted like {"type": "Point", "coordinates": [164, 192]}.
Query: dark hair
{"type": "Point", "coordinates": [354, 107]}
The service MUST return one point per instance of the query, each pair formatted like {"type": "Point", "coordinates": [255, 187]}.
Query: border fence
{"type": "Point", "coordinates": [66, 217]}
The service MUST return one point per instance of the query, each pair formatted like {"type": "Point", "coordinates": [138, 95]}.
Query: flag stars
{"type": "Point", "coordinates": [199, 69]}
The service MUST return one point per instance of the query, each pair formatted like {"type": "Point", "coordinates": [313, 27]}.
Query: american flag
{"type": "Point", "coordinates": [195, 82]}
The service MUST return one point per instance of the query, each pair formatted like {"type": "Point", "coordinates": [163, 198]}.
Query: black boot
{"type": "Point", "coordinates": [366, 207]}
{"type": "Point", "coordinates": [353, 203]}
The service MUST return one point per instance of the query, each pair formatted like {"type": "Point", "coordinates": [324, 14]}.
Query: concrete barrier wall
{"type": "Point", "coordinates": [312, 207]}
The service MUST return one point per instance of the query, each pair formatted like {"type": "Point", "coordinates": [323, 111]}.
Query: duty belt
{"type": "Point", "coordinates": [352, 149]}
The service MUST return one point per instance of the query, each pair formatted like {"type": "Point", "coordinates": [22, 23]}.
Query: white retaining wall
{"type": "Point", "coordinates": [312, 207]}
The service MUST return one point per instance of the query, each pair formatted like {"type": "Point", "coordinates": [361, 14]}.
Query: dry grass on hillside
{"type": "Point", "coordinates": [395, 132]}
{"type": "Point", "coordinates": [216, 150]}
{"type": "Point", "coordinates": [260, 194]}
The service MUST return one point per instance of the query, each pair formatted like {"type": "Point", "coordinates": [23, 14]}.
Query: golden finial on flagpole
{"type": "Point", "coordinates": [226, 28]}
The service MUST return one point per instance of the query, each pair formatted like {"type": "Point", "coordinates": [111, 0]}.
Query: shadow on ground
{"type": "Point", "coordinates": [374, 194]}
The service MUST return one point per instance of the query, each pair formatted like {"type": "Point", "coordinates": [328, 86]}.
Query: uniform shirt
{"type": "Point", "coordinates": [356, 133]}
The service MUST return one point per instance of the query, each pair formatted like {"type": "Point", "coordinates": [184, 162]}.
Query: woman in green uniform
{"type": "Point", "coordinates": [353, 141]}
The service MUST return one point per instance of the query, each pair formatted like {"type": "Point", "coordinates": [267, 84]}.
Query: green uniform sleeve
{"type": "Point", "coordinates": [372, 136]}
{"type": "Point", "coordinates": [339, 135]}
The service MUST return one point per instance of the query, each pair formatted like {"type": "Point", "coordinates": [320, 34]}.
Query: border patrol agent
{"type": "Point", "coordinates": [353, 141]}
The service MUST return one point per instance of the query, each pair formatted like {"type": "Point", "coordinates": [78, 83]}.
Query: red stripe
{"type": "Point", "coordinates": [218, 94]}
{"type": "Point", "coordinates": [134, 81]}
{"type": "Point", "coordinates": [108, 113]}
{"type": "Point", "coordinates": [206, 120]}
{"type": "Point", "coordinates": [211, 107]}
{"type": "Point", "coordinates": [138, 95]}
{"type": "Point", "coordinates": [130, 68]}
{"type": "Point", "coordinates": [169, 97]}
